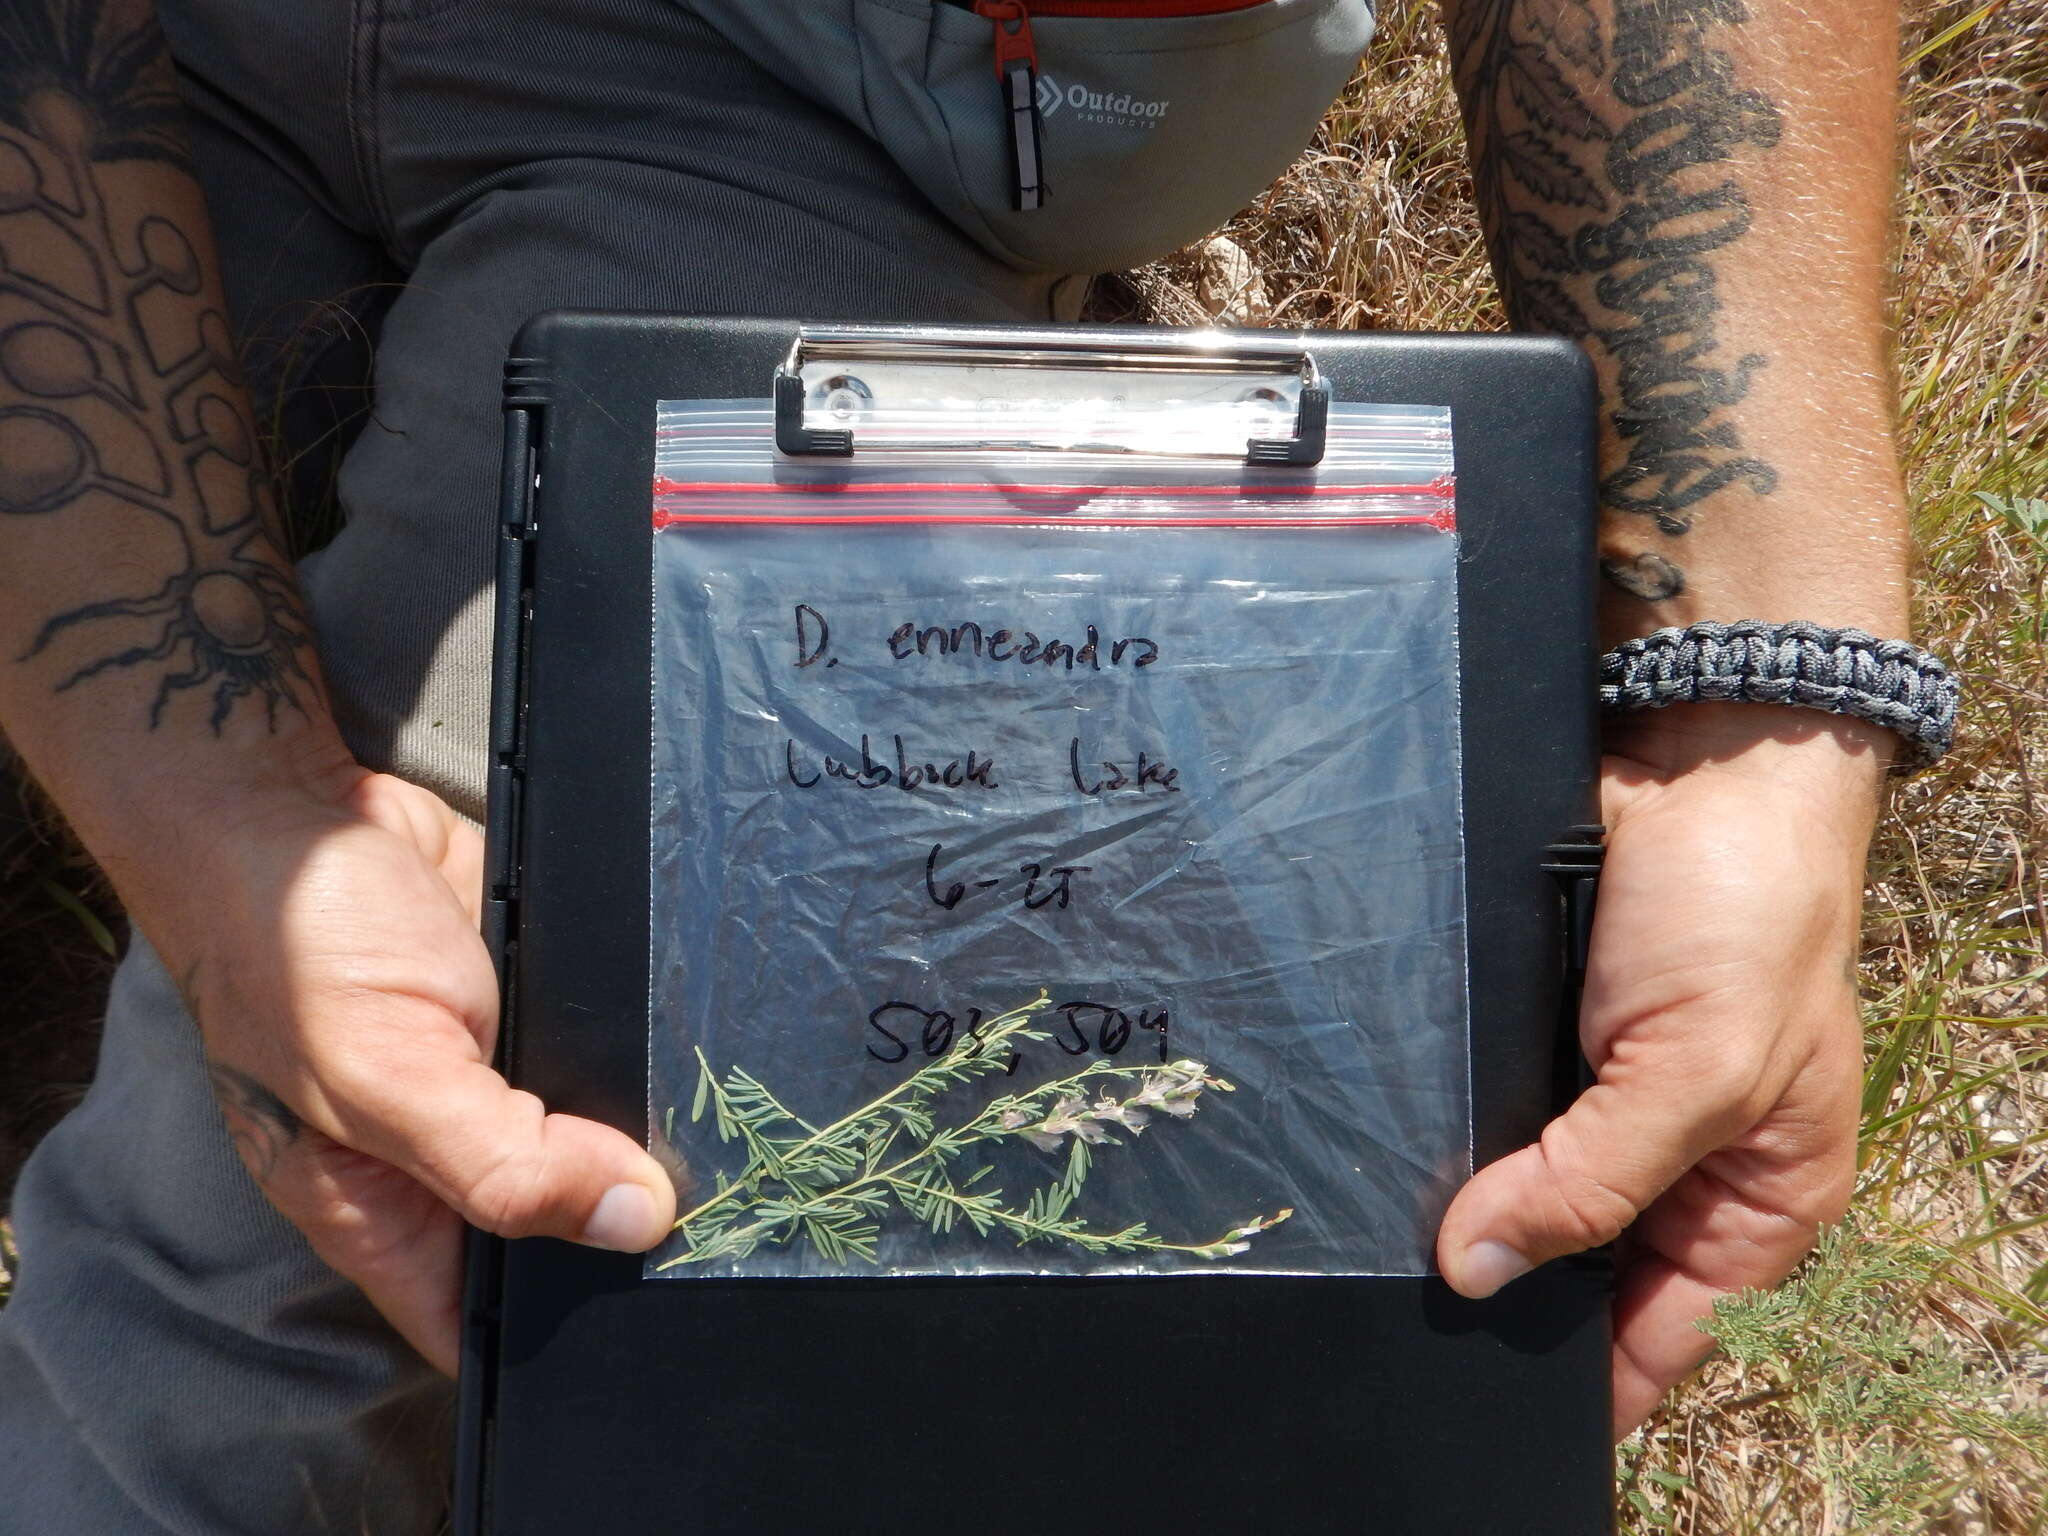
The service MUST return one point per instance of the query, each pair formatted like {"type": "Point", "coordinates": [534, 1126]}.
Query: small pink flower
{"type": "Point", "coordinates": [1128, 1116]}
{"type": "Point", "coordinates": [1155, 1088]}
{"type": "Point", "coordinates": [1174, 1088]}
{"type": "Point", "coordinates": [1066, 1113]}
{"type": "Point", "coordinates": [1257, 1225]}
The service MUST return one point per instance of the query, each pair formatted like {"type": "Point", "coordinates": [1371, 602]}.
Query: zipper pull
{"type": "Point", "coordinates": [1017, 71]}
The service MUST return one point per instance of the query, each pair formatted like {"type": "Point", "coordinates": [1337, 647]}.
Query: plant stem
{"type": "Point", "coordinates": [837, 1191]}
{"type": "Point", "coordinates": [892, 1177]}
{"type": "Point", "coordinates": [1016, 1221]}
{"type": "Point", "coordinates": [998, 1032]}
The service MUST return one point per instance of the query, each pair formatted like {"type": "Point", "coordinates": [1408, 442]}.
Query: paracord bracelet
{"type": "Point", "coordinates": [1891, 683]}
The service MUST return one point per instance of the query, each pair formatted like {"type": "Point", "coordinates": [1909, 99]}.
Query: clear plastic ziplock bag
{"type": "Point", "coordinates": [1057, 857]}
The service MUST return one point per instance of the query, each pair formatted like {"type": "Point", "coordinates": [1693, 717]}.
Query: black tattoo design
{"type": "Point", "coordinates": [70, 59]}
{"type": "Point", "coordinates": [1647, 575]}
{"type": "Point", "coordinates": [1594, 148]}
{"type": "Point", "coordinates": [121, 383]}
{"type": "Point", "coordinates": [261, 1124]}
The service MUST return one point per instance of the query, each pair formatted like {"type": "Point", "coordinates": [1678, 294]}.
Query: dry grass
{"type": "Point", "coordinates": [1899, 1384]}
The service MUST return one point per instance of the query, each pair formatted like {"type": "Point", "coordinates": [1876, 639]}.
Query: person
{"type": "Point", "coordinates": [236, 1305]}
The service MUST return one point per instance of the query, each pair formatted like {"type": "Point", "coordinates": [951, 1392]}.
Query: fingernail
{"type": "Point", "coordinates": [1488, 1266]}
{"type": "Point", "coordinates": [624, 1220]}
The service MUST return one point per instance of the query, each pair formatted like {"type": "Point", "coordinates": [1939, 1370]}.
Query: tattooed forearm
{"type": "Point", "coordinates": [261, 1124]}
{"type": "Point", "coordinates": [118, 387]}
{"type": "Point", "coordinates": [1605, 140]}
{"type": "Point", "coordinates": [1647, 575]}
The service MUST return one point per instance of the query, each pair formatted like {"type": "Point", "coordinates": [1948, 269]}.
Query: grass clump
{"type": "Point", "coordinates": [1897, 1420]}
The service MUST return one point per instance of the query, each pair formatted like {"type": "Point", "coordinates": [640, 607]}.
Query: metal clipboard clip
{"type": "Point", "coordinates": [973, 389]}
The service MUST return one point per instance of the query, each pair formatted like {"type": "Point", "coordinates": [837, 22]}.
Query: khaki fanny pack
{"type": "Point", "coordinates": [1069, 135]}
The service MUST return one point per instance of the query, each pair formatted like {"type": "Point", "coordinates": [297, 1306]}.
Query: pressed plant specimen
{"type": "Point", "coordinates": [833, 1186]}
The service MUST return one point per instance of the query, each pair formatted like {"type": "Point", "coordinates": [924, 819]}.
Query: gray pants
{"type": "Point", "coordinates": [431, 172]}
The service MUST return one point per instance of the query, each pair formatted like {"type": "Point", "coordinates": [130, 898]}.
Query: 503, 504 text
{"type": "Point", "coordinates": [1085, 1028]}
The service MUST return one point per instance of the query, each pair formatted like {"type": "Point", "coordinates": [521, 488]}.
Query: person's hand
{"type": "Point", "coordinates": [329, 950]}
{"type": "Point", "coordinates": [1720, 1018]}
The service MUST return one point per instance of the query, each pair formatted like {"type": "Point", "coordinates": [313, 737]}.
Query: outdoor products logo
{"type": "Point", "coordinates": [1116, 109]}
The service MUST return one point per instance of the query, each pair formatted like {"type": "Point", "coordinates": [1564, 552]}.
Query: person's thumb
{"type": "Point", "coordinates": [494, 1154]}
{"type": "Point", "coordinates": [1625, 1141]}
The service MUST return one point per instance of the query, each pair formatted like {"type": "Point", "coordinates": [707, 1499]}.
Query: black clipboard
{"type": "Point", "coordinates": [592, 1399]}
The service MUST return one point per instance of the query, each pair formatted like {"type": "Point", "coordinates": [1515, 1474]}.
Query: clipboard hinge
{"type": "Point", "coordinates": [1574, 862]}
{"type": "Point", "coordinates": [524, 392]}
{"type": "Point", "coordinates": [476, 1421]}
{"type": "Point", "coordinates": [526, 383]}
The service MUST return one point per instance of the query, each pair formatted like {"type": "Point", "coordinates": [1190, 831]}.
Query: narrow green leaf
{"type": "Point", "coordinates": [703, 1088]}
{"type": "Point", "coordinates": [97, 931]}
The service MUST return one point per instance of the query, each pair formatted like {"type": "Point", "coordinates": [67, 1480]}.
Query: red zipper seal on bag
{"type": "Point", "coordinates": [686, 503]}
{"type": "Point", "coordinates": [1017, 72]}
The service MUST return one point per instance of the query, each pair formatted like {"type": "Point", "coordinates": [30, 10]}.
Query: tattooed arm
{"type": "Point", "coordinates": [145, 609]}
{"type": "Point", "coordinates": [1696, 190]}
{"type": "Point", "coordinates": [157, 674]}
